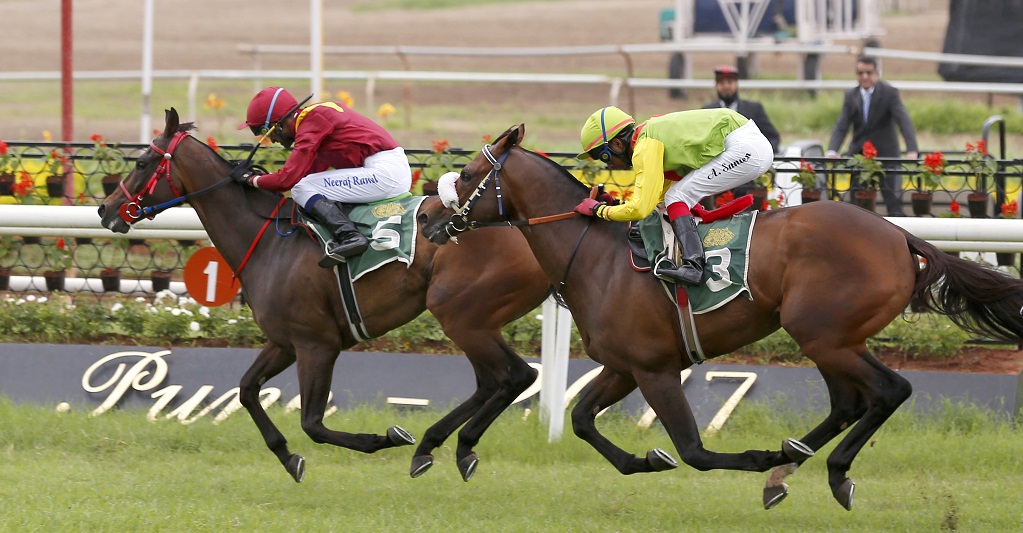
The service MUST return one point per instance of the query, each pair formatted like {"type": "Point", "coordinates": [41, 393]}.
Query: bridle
{"type": "Point", "coordinates": [132, 211]}
{"type": "Point", "coordinates": [459, 220]}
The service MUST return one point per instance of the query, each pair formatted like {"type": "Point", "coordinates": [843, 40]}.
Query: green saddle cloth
{"type": "Point", "coordinates": [726, 247]}
{"type": "Point", "coordinates": [390, 225]}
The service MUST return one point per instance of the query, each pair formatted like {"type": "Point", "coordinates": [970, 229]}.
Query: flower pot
{"type": "Point", "coordinates": [921, 202]}
{"type": "Point", "coordinates": [54, 280]}
{"type": "Point", "coordinates": [111, 280]}
{"type": "Point", "coordinates": [31, 240]}
{"type": "Point", "coordinates": [5, 278]}
{"type": "Point", "coordinates": [55, 186]}
{"type": "Point", "coordinates": [430, 188]}
{"type": "Point", "coordinates": [161, 280]}
{"type": "Point", "coordinates": [1005, 259]}
{"type": "Point", "coordinates": [977, 204]}
{"type": "Point", "coordinates": [110, 183]}
{"type": "Point", "coordinates": [810, 196]}
{"type": "Point", "coordinates": [759, 198]}
{"type": "Point", "coordinates": [867, 199]}
{"type": "Point", "coordinates": [6, 184]}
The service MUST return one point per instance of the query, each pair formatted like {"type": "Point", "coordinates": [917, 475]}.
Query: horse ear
{"type": "Point", "coordinates": [171, 115]}
{"type": "Point", "coordinates": [515, 134]}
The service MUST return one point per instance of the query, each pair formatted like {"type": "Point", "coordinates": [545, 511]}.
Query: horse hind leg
{"type": "Point", "coordinates": [607, 389]}
{"type": "Point", "coordinates": [884, 391]}
{"type": "Point", "coordinates": [272, 360]}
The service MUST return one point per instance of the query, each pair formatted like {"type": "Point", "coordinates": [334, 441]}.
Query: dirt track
{"type": "Point", "coordinates": [194, 34]}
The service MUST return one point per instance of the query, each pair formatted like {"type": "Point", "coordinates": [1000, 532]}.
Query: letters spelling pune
{"type": "Point", "coordinates": [139, 377]}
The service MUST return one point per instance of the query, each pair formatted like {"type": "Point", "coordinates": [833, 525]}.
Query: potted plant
{"type": "Point", "coordinates": [927, 180]}
{"type": "Point", "coordinates": [761, 185]}
{"type": "Point", "coordinates": [165, 258]}
{"type": "Point", "coordinates": [1009, 210]}
{"type": "Point", "coordinates": [8, 253]}
{"type": "Point", "coordinates": [59, 257]}
{"type": "Point", "coordinates": [8, 167]}
{"type": "Point", "coordinates": [807, 179]}
{"type": "Point", "coordinates": [439, 162]}
{"type": "Point", "coordinates": [55, 164]}
{"type": "Point", "coordinates": [110, 163]}
{"type": "Point", "coordinates": [979, 166]}
{"type": "Point", "coordinates": [870, 174]}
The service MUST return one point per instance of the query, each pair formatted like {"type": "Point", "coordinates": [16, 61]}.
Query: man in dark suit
{"type": "Point", "coordinates": [874, 109]}
{"type": "Point", "coordinates": [726, 82]}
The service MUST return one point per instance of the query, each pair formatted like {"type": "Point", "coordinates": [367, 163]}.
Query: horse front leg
{"type": "Point", "coordinates": [607, 389]}
{"type": "Point", "coordinates": [315, 373]}
{"type": "Point", "coordinates": [272, 360]}
{"type": "Point", "coordinates": [663, 391]}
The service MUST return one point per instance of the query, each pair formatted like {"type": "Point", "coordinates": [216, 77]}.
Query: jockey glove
{"type": "Point", "coordinates": [242, 173]}
{"type": "Point", "coordinates": [588, 207]}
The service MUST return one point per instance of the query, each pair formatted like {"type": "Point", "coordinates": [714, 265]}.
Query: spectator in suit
{"type": "Point", "coordinates": [874, 109]}
{"type": "Point", "coordinates": [726, 83]}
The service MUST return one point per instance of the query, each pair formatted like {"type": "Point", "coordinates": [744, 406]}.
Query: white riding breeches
{"type": "Point", "coordinates": [746, 156]}
{"type": "Point", "coordinates": [383, 175]}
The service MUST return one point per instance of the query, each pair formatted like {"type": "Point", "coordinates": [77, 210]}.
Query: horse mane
{"type": "Point", "coordinates": [565, 173]}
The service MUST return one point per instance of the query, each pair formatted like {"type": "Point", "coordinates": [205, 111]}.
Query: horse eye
{"type": "Point", "coordinates": [140, 164]}
{"type": "Point", "coordinates": [465, 176]}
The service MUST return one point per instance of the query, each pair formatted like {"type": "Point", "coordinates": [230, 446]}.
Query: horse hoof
{"type": "Point", "coordinates": [467, 465]}
{"type": "Point", "coordinates": [660, 460]}
{"type": "Point", "coordinates": [796, 451]}
{"type": "Point", "coordinates": [296, 467]}
{"type": "Point", "coordinates": [774, 495]}
{"type": "Point", "coordinates": [399, 437]}
{"type": "Point", "coordinates": [420, 464]}
{"type": "Point", "coordinates": [844, 494]}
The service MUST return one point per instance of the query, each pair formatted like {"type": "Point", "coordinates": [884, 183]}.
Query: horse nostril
{"type": "Point", "coordinates": [422, 218]}
{"type": "Point", "coordinates": [102, 209]}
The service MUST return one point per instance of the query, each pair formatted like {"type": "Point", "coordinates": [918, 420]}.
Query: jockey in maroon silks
{"type": "Point", "coordinates": [338, 155]}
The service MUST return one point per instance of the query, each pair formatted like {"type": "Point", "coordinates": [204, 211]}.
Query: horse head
{"type": "Point", "coordinates": [468, 198]}
{"type": "Point", "coordinates": [156, 183]}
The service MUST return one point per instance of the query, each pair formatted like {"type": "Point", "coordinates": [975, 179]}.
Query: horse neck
{"type": "Point", "coordinates": [562, 248]}
{"type": "Point", "coordinates": [230, 214]}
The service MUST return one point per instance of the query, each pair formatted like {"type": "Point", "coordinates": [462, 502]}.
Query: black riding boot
{"type": "Point", "coordinates": [691, 271]}
{"type": "Point", "coordinates": [348, 241]}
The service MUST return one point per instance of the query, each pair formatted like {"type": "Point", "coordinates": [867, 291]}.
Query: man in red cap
{"type": "Point", "coordinates": [726, 83]}
{"type": "Point", "coordinates": [338, 156]}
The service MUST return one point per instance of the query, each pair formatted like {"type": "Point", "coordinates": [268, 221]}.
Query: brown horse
{"type": "Point", "coordinates": [298, 306]}
{"type": "Point", "coordinates": [829, 273]}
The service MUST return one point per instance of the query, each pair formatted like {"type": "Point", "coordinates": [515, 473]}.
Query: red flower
{"type": "Point", "coordinates": [3, 148]}
{"type": "Point", "coordinates": [487, 138]}
{"type": "Point", "coordinates": [441, 146]}
{"type": "Point", "coordinates": [934, 162]}
{"type": "Point", "coordinates": [724, 198]}
{"type": "Point", "coordinates": [97, 138]}
{"type": "Point", "coordinates": [213, 144]}
{"type": "Point", "coordinates": [806, 167]}
{"type": "Point", "coordinates": [1009, 209]}
{"type": "Point", "coordinates": [61, 245]}
{"type": "Point", "coordinates": [954, 207]}
{"type": "Point", "coordinates": [869, 151]}
{"type": "Point", "coordinates": [416, 174]}
{"type": "Point", "coordinates": [25, 186]}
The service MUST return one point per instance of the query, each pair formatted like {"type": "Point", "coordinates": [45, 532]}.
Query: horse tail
{"type": "Point", "coordinates": [980, 300]}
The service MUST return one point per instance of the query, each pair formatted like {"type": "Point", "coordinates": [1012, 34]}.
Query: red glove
{"type": "Point", "coordinates": [588, 207]}
{"type": "Point", "coordinates": [606, 198]}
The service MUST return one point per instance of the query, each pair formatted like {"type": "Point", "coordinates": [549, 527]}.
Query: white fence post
{"type": "Point", "coordinates": [557, 331]}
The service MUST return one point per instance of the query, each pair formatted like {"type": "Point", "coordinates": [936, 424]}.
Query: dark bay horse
{"type": "Point", "coordinates": [472, 290]}
{"type": "Point", "coordinates": [829, 273]}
